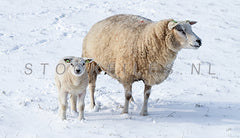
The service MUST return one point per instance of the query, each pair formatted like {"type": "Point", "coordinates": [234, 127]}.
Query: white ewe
{"type": "Point", "coordinates": [131, 48]}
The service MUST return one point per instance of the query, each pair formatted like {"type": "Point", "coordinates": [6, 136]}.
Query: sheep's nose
{"type": "Point", "coordinates": [77, 70]}
{"type": "Point", "coordinates": [199, 42]}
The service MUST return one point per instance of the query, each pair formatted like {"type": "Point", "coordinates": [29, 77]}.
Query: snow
{"type": "Point", "coordinates": [185, 105]}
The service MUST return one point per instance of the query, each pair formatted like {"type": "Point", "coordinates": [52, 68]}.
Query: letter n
{"type": "Point", "coordinates": [194, 67]}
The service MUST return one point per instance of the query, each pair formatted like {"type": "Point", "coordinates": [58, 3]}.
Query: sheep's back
{"type": "Point", "coordinates": [115, 41]}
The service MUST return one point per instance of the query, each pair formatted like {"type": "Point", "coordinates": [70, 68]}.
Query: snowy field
{"type": "Point", "coordinates": [184, 106]}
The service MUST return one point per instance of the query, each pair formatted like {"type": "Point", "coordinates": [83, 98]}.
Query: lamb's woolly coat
{"type": "Point", "coordinates": [131, 48]}
{"type": "Point", "coordinates": [68, 83]}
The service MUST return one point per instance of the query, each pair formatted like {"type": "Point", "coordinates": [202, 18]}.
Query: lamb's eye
{"type": "Point", "coordinates": [83, 63]}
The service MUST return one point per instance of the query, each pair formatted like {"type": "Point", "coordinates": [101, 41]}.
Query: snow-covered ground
{"type": "Point", "coordinates": [184, 106]}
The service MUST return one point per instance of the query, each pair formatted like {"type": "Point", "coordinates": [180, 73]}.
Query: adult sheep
{"type": "Point", "coordinates": [131, 48]}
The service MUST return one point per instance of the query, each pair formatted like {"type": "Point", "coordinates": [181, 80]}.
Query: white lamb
{"type": "Point", "coordinates": [71, 78]}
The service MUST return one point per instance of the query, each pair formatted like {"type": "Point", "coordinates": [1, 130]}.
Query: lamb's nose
{"type": "Point", "coordinates": [199, 42]}
{"type": "Point", "coordinates": [77, 70]}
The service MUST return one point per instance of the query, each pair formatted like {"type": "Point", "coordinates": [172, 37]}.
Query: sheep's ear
{"type": "Point", "coordinates": [172, 24]}
{"type": "Point", "coordinates": [191, 22]}
{"type": "Point", "coordinates": [88, 60]}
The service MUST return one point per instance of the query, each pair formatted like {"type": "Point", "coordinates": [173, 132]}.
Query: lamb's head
{"type": "Point", "coordinates": [182, 36]}
{"type": "Point", "coordinates": [76, 65]}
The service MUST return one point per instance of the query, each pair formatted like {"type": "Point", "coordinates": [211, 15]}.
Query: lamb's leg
{"type": "Point", "coordinates": [62, 98]}
{"type": "Point", "coordinates": [73, 100]}
{"type": "Point", "coordinates": [81, 105]}
{"type": "Point", "coordinates": [92, 77]}
{"type": "Point", "coordinates": [92, 85]}
{"type": "Point", "coordinates": [128, 96]}
{"type": "Point", "coordinates": [147, 92]}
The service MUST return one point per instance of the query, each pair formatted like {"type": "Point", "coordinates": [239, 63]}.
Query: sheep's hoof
{"type": "Point", "coordinates": [124, 112]}
{"type": "Point", "coordinates": [144, 113]}
{"type": "Point", "coordinates": [131, 100]}
{"type": "Point", "coordinates": [92, 106]}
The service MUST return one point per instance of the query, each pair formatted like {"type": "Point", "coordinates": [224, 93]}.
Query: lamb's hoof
{"type": "Point", "coordinates": [63, 117]}
{"type": "Point", "coordinates": [81, 118]}
{"type": "Point", "coordinates": [144, 113]}
{"type": "Point", "coordinates": [74, 113]}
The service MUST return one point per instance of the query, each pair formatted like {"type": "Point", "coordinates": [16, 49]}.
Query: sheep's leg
{"type": "Point", "coordinates": [81, 105]}
{"type": "Point", "coordinates": [128, 96]}
{"type": "Point", "coordinates": [131, 100]}
{"type": "Point", "coordinates": [62, 97]}
{"type": "Point", "coordinates": [73, 100]}
{"type": "Point", "coordinates": [147, 92]}
{"type": "Point", "coordinates": [92, 76]}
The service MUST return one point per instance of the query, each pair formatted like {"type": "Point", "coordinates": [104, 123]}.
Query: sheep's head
{"type": "Point", "coordinates": [182, 36]}
{"type": "Point", "coordinates": [77, 65]}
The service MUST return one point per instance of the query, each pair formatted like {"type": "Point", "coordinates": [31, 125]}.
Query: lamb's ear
{"type": "Point", "coordinates": [172, 24]}
{"type": "Point", "coordinates": [88, 60]}
{"type": "Point", "coordinates": [191, 22]}
{"type": "Point", "coordinates": [68, 59]}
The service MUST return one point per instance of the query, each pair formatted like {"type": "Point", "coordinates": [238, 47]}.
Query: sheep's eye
{"type": "Point", "coordinates": [179, 28]}
{"type": "Point", "coordinates": [183, 32]}
{"type": "Point", "coordinates": [83, 63]}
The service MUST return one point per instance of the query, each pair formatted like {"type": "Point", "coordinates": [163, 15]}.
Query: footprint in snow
{"type": "Point", "coordinates": [41, 41]}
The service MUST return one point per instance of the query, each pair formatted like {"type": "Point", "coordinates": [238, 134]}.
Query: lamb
{"type": "Point", "coordinates": [132, 48]}
{"type": "Point", "coordinates": [71, 78]}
